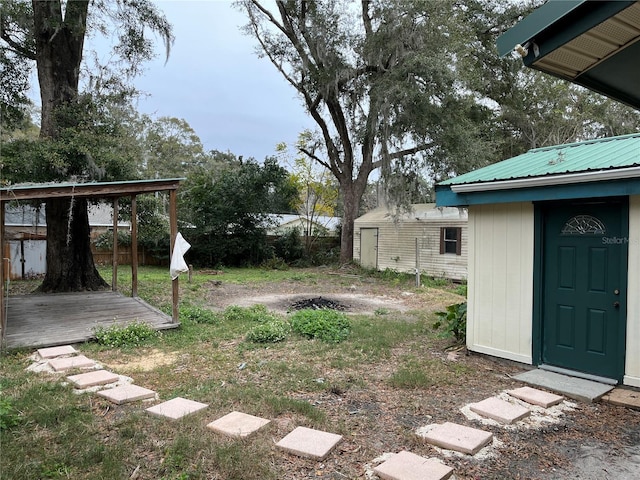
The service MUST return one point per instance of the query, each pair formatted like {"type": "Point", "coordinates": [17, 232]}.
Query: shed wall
{"type": "Point", "coordinates": [500, 290]}
{"type": "Point", "coordinates": [397, 247]}
{"type": "Point", "coordinates": [632, 360]}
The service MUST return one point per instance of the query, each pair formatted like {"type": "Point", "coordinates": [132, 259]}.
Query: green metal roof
{"type": "Point", "coordinates": [593, 155]}
{"type": "Point", "coordinates": [595, 44]}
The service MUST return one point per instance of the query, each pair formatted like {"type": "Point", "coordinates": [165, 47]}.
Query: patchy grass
{"type": "Point", "coordinates": [49, 432]}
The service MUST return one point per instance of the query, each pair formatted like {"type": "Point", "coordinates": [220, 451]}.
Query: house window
{"type": "Point", "coordinates": [451, 240]}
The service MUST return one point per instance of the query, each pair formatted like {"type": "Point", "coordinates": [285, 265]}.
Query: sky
{"type": "Point", "coordinates": [214, 79]}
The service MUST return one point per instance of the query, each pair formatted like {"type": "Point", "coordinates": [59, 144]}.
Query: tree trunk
{"type": "Point", "coordinates": [351, 196]}
{"type": "Point", "coordinates": [70, 265]}
{"type": "Point", "coordinates": [59, 41]}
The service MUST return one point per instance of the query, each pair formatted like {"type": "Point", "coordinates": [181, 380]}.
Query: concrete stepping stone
{"type": "Point", "coordinates": [623, 397]}
{"type": "Point", "coordinates": [67, 363]}
{"type": "Point", "coordinates": [176, 408]}
{"type": "Point", "coordinates": [572, 387]}
{"type": "Point", "coordinates": [409, 466]}
{"type": "Point", "coordinates": [500, 410]}
{"type": "Point", "coordinates": [91, 379]}
{"type": "Point", "coordinates": [52, 352]}
{"type": "Point", "coordinates": [536, 397]}
{"type": "Point", "coordinates": [126, 394]}
{"type": "Point", "coordinates": [459, 438]}
{"type": "Point", "coordinates": [238, 424]}
{"type": "Point", "coordinates": [309, 443]}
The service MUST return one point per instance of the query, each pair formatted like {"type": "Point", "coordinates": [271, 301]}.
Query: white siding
{"type": "Point", "coordinates": [500, 293]}
{"type": "Point", "coordinates": [632, 361]}
{"type": "Point", "coordinates": [397, 247]}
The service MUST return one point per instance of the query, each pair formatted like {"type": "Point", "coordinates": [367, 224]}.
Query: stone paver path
{"type": "Point", "coordinates": [53, 352]}
{"type": "Point", "coordinates": [67, 363]}
{"type": "Point", "coordinates": [537, 397]}
{"type": "Point", "coordinates": [500, 410]}
{"type": "Point", "coordinates": [310, 443]}
{"type": "Point", "coordinates": [91, 379]}
{"type": "Point", "coordinates": [127, 394]}
{"type": "Point", "coordinates": [238, 424]}
{"type": "Point", "coordinates": [176, 408]}
{"type": "Point", "coordinates": [307, 442]}
{"type": "Point", "coordinates": [409, 466]}
{"type": "Point", "coordinates": [459, 438]}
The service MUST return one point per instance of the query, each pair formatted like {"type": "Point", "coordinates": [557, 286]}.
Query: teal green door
{"type": "Point", "coordinates": [584, 287]}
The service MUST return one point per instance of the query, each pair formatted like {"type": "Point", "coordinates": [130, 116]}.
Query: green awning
{"type": "Point", "coordinates": [595, 44]}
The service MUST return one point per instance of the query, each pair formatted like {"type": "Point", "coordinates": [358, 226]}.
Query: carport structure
{"type": "Point", "coordinates": [38, 320]}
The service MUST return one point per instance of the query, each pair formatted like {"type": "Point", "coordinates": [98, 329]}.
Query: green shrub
{"type": "Point", "coordinates": [198, 315]}
{"type": "Point", "coordinates": [8, 414]}
{"type": "Point", "coordinates": [272, 331]}
{"type": "Point", "coordinates": [255, 313]}
{"type": "Point", "coordinates": [454, 320]}
{"type": "Point", "coordinates": [274, 263]}
{"type": "Point", "coordinates": [326, 325]}
{"type": "Point", "coordinates": [131, 335]}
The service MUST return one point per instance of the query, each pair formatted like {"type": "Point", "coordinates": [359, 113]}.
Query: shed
{"type": "Point", "coordinates": [432, 240]}
{"type": "Point", "coordinates": [554, 257]}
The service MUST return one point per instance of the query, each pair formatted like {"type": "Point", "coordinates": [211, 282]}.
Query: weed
{"type": "Point", "coordinates": [8, 414]}
{"type": "Point", "coordinates": [454, 320]}
{"type": "Point", "coordinates": [461, 289]}
{"type": "Point", "coordinates": [411, 376]}
{"type": "Point", "coordinates": [272, 331]}
{"type": "Point", "coordinates": [326, 325]}
{"type": "Point", "coordinates": [255, 313]}
{"type": "Point", "coordinates": [131, 335]}
{"type": "Point", "coordinates": [381, 311]}
{"type": "Point", "coordinates": [196, 314]}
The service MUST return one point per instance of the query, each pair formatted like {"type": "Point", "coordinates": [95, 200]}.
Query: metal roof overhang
{"type": "Point", "coordinates": [595, 44]}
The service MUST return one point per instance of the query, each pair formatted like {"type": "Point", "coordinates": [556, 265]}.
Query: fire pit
{"type": "Point", "coordinates": [318, 303]}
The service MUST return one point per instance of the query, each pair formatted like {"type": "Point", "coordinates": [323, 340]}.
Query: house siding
{"type": "Point", "coordinates": [500, 291]}
{"type": "Point", "coordinates": [397, 247]}
{"type": "Point", "coordinates": [632, 359]}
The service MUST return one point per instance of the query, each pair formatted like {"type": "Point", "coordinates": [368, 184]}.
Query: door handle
{"type": "Point", "coordinates": [616, 304]}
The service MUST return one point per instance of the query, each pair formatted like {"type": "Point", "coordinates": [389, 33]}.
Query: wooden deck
{"type": "Point", "coordinates": [45, 320]}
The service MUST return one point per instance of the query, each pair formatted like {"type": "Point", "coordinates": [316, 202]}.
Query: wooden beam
{"type": "Point", "coordinates": [114, 261]}
{"type": "Point", "coordinates": [134, 247]}
{"type": "Point", "coordinates": [173, 222]}
{"type": "Point", "coordinates": [88, 190]}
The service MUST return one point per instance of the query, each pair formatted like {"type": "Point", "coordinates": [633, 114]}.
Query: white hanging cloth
{"type": "Point", "coordinates": [178, 265]}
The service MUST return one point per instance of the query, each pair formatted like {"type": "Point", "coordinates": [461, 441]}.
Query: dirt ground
{"type": "Point", "coordinates": [587, 441]}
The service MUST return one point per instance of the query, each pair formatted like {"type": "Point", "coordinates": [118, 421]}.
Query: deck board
{"type": "Point", "coordinates": [46, 320]}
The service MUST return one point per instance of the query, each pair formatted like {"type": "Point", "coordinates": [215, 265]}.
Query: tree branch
{"type": "Point", "coordinates": [410, 151]}
{"type": "Point", "coordinates": [14, 46]}
{"type": "Point", "coordinates": [314, 157]}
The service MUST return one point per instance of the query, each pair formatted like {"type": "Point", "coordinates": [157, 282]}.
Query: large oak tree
{"type": "Point", "coordinates": [52, 34]}
{"type": "Point", "coordinates": [379, 80]}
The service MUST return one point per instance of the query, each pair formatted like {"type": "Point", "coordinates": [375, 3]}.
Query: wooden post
{"type": "Point", "coordinates": [418, 282]}
{"type": "Point", "coordinates": [134, 246]}
{"type": "Point", "coordinates": [114, 261]}
{"type": "Point", "coordinates": [173, 222]}
{"type": "Point", "coordinates": [3, 313]}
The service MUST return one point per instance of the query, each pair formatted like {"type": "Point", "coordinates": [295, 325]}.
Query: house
{"type": "Point", "coordinates": [554, 249]}
{"type": "Point", "coordinates": [320, 225]}
{"type": "Point", "coordinates": [429, 239]}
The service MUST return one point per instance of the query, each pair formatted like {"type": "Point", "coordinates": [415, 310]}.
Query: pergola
{"type": "Point", "coordinates": [99, 190]}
